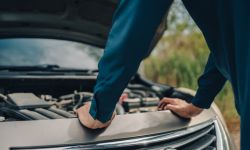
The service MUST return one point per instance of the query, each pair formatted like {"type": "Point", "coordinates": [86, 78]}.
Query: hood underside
{"type": "Point", "coordinates": [87, 21]}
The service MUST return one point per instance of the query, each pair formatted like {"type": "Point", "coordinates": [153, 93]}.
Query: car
{"type": "Point", "coordinates": [49, 52]}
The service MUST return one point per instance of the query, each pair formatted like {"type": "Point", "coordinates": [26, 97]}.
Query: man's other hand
{"type": "Point", "coordinates": [87, 120]}
{"type": "Point", "coordinates": [179, 107]}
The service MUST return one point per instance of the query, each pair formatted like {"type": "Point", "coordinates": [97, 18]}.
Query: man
{"type": "Point", "coordinates": [226, 27]}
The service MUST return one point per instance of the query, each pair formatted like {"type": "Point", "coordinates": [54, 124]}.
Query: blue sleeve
{"type": "Point", "coordinates": [210, 83]}
{"type": "Point", "coordinates": [134, 25]}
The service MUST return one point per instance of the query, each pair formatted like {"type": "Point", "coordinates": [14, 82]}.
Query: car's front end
{"type": "Point", "coordinates": [49, 52]}
{"type": "Point", "coordinates": [154, 130]}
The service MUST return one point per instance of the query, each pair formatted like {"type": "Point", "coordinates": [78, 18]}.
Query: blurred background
{"type": "Point", "coordinates": [179, 59]}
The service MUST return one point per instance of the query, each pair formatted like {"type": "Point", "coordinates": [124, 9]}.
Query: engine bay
{"type": "Point", "coordinates": [140, 96]}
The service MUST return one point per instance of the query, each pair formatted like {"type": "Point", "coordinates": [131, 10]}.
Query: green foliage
{"type": "Point", "coordinates": [179, 60]}
{"type": "Point", "coordinates": [180, 57]}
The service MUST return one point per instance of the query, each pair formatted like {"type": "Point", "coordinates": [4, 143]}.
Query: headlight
{"type": "Point", "coordinates": [222, 139]}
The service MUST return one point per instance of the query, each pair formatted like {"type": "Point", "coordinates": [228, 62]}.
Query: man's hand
{"type": "Point", "coordinates": [179, 107]}
{"type": "Point", "coordinates": [87, 120]}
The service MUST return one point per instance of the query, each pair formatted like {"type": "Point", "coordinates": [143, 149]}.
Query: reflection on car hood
{"type": "Point", "coordinates": [87, 21]}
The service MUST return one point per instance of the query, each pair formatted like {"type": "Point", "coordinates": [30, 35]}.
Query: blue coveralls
{"type": "Point", "coordinates": [225, 25]}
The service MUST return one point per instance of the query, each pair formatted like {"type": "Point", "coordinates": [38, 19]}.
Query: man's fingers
{"type": "Point", "coordinates": [162, 105]}
{"type": "Point", "coordinates": [165, 101]}
{"type": "Point", "coordinates": [172, 101]}
{"type": "Point", "coordinates": [171, 107]}
{"type": "Point", "coordinates": [179, 107]}
{"type": "Point", "coordinates": [162, 102]}
{"type": "Point", "coordinates": [84, 119]}
{"type": "Point", "coordinates": [87, 120]}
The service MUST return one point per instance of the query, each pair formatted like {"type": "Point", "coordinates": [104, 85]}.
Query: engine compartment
{"type": "Point", "coordinates": [140, 96]}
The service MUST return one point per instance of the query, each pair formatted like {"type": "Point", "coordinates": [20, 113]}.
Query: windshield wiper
{"type": "Point", "coordinates": [29, 68]}
{"type": "Point", "coordinates": [47, 68]}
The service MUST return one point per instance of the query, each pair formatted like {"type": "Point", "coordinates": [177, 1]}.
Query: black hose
{"type": "Point", "coordinates": [11, 113]}
{"type": "Point", "coordinates": [3, 96]}
{"type": "Point", "coordinates": [144, 88]}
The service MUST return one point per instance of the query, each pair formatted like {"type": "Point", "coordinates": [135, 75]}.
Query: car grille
{"type": "Point", "coordinates": [195, 138]}
{"type": "Point", "coordinates": [199, 137]}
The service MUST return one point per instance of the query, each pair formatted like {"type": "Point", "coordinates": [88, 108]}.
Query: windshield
{"type": "Point", "coordinates": [30, 52]}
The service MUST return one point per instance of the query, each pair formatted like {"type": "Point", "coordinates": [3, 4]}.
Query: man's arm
{"type": "Point", "coordinates": [134, 25]}
{"type": "Point", "coordinates": [210, 83]}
